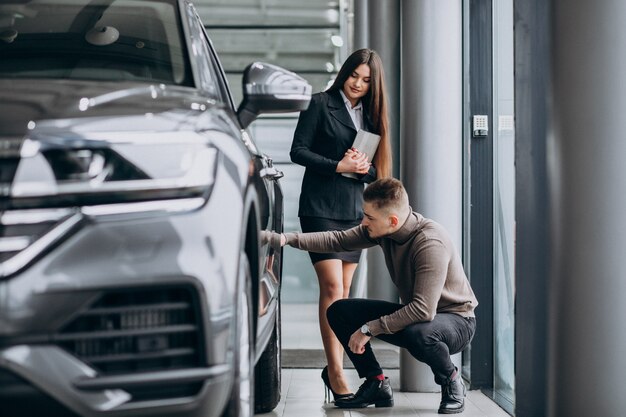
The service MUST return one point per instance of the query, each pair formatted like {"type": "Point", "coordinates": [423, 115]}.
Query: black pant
{"type": "Point", "coordinates": [430, 342]}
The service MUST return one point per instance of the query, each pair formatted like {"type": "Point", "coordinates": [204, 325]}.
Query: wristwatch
{"type": "Point", "coordinates": [365, 329]}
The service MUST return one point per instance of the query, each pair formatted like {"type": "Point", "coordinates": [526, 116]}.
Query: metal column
{"type": "Point", "coordinates": [361, 26]}
{"type": "Point", "coordinates": [383, 31]}
{"type": "Point", "coordinates": [431, 131]}
{"type": "Point", "coordinates": [587, 156]}
{"type": "Point", "coordinates": [384, 37]}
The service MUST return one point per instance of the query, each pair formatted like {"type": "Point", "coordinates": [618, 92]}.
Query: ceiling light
{"type": "Point", "coordinates": [337, 40]}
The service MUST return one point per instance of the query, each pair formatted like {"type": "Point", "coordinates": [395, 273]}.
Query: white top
{"type": "Point", "coordinates": [356, 112]}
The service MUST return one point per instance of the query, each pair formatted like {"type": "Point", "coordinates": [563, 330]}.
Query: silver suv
{"type": "Point", "coordinates": [134, 277]}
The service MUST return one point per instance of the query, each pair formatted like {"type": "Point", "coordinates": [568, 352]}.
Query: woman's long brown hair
{"type": "Point", "coordinates": [374, 103]}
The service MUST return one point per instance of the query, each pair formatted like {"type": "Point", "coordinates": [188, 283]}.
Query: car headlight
{"type": "Point", "coordinates": [58, 182]}
{"type": "Point", "coordinates": [94, 172]}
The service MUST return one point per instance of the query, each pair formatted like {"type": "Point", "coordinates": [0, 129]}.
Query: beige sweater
{"type": "Point", "coordinates": [422, 261]}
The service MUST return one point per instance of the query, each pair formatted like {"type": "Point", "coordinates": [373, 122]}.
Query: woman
{"type": "Point", "coordinates": [330, 201]}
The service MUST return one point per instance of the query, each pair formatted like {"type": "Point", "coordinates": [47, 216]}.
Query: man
{"type": "Point", "coordinates": [436, 317]}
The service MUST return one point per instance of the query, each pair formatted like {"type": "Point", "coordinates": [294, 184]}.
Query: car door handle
{"type": "Point", "coordinates": [271, 172]}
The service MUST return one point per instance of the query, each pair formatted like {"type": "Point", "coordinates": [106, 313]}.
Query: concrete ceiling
{"type": "Point", "coordinates": [309, 37]}
{"type": "Point", "coordinates": [269, 12]}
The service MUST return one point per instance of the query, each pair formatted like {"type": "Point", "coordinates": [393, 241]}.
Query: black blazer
{"type": "Point", "coordinates": [323, 134]}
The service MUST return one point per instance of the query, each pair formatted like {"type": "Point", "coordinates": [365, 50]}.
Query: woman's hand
{"type": "Point", "coordinates": [353, 161]}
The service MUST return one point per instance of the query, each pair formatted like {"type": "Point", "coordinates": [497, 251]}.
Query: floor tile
{"type": "Point", "coordinates": [303, 389]}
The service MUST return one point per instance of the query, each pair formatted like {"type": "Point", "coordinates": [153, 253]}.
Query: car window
{"type": "Point", "coordinates": [216, 69]}
{"type": "Point", "coordinates": [109, 40]}
{"type": "Point", "coordinates": [206, 73]}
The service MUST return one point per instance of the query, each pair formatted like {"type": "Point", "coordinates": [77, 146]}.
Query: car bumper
{"type": "Point", "coordinates": [48, 309]}
{"type": "Point", "coordinates": [42, 374]}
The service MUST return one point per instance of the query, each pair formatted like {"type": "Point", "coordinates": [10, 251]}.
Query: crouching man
{"type": "Point", "coordinates": [436, 318]}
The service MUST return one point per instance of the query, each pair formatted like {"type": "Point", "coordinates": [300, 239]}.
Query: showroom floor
{"type": "Point", "coordinates": [303, 390]}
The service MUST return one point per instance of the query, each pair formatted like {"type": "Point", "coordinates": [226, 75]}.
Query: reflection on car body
{"type": "Point", "coordinates": [133, 277]}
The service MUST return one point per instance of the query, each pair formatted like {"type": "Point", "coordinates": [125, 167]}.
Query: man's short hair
{"type": "Point", "coordinates": [387, 193]}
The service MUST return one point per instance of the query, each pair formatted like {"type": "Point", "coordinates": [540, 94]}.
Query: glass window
{"type": "Point", "coordinates": [504, 206]}
{"type": "Point", "coordinates": [119, 40]}
{"type": "Point", "coordinates": [309, 38]}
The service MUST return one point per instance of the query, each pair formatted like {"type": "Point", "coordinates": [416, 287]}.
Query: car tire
{"type": "Point", "coordinates": [268, 372]}
{"type": "Point", "coordinates": [241, 402]}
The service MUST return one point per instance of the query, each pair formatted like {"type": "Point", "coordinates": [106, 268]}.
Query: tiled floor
{"type": "Point", "coordinates": [303, 390]}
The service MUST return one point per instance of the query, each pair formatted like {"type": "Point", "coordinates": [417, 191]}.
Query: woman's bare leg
{"type": "Point", "coordinates": [335, 278]}
{"type": "Point", "coordinates": [348, 273]}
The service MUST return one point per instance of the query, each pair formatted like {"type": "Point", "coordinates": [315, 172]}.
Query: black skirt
{"type": "Point", "coordinates": [320, 224]}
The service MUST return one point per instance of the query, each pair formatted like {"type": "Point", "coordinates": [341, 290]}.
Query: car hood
{"type": "Point", "coordinates": [24, 103]}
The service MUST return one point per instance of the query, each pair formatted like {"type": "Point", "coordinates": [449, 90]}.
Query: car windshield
{"type": "Point", "coordinates": [107, 40]}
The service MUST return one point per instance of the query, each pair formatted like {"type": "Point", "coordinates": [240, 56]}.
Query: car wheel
{"type": "Point", "coordinates": [241, 401]}
{"type": "Point", "coordinates": [267, 372]}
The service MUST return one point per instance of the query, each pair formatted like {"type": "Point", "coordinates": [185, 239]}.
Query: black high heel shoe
{"type": "Point", "coordinates": [330, 390]}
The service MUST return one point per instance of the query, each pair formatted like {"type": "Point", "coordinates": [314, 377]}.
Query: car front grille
{"type": "Point", "coordinates": [138, 330]}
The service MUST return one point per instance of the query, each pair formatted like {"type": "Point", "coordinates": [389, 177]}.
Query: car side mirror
{"type": "Point", "coordinates": [268, 88]}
